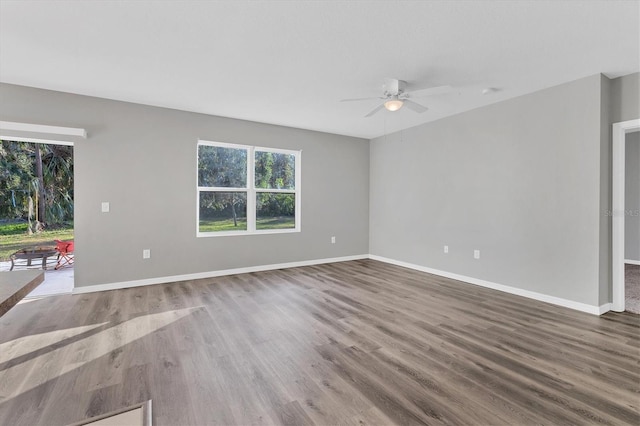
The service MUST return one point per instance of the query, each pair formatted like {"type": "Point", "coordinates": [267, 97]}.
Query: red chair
{"type": "Point", "coordinates": [65, 253]}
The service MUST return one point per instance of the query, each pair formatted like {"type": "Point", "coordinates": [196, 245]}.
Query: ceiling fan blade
{"type": "Point", "coordinates": [360, 99]}
{"type": "Point", "coordinates": [430, 91]}
{"type": "Point", "coordinates": [414, 106]}
{"type": "Point", "coordinates": [378, 108]}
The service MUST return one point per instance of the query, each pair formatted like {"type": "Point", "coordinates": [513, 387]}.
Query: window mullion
{"type": "Point", "coordinates": [251, 191]}
{"type": "Point", "coordinates": [197, 210]}
{"type": "Point", "coordinates": [220, 189]}
{"type": "Point", "coordinates": [276, 191]}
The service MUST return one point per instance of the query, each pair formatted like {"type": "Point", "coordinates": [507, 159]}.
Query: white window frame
{"type": "Point", "coordinates": [251, 190]}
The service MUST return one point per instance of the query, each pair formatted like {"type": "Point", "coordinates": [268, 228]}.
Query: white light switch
{"type": "Point", "coordinates": [476, 254]}
{"type": "Point", "coordinates": [333, 240]}
{"type": "Point", "coordinates": [105, 207]}
{"type": "Point", "coordinates": [446, 249]}
{"type": "Point", "coordinates": [146, 253]}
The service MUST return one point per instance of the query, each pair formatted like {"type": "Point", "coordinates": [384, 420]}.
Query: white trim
{"type": "Point", "coordinates": [251, 190]}
{"type": "Point", "coordinates": [220, 189]}
{"type": "Point", "coordinates": [298, 184]}
{"type": "Point", "coordinates": [276, 150]}
{"type": "Point", "coordinates": [583, 307]}
{"type": "Point", "coordinates": [632, 262]}
{"type": "Point", "coordinates": [34, 140]}
{"type": "Point", "coordinates": [197, 170]}
{"type": "Point", "coordinates": [211, 274]}
{"type": "Point", "coordinates": [603, 309]}
{"type": "Point", "coordinates": [42, 128]}
{"type": "Point", "coordinates": [619, 132]}
{"type": "Point", "coordinates": [251, 194]}
{"type": "Point", "coordinates": [275, 191]}
{"type": "Point", "coordinates": [224, 145]}
{"type": "Point", "coordinates": [245, 232]}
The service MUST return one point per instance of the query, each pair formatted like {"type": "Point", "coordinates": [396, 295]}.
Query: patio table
{"type": "Point", "coordinates": [33, 253]}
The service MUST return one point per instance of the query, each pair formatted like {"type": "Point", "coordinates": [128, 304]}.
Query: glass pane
{"type": "Point", "coordinates": [275, 170]}
{"type": "Point", "coordinates": [275, 210]}
{"type": "Point", "coordinates": [223, 211]}
{"type": "Point", "coordinates": [223, 167]}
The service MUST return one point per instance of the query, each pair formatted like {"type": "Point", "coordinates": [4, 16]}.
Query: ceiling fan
{"type": "Point", "coordinates": [395, 96]}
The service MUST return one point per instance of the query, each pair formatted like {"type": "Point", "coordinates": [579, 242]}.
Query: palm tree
{"type": "Point", "coordinates": [42, 172]}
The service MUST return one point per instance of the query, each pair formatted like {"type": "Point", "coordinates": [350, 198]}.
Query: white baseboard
{"type": "Point", "coordinates": [605, 308]}
{"type": "Point", "coordinates": [632, 262]}
{"type": "Point", "coordinates": [595, 310]}
{"type": "Point", "coordinates": [211, 274]}
{"type": "Point", "coordinates": [583, 307]}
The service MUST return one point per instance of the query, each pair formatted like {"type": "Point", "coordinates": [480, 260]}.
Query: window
{"type": "Point", "coordinates": [247, 190]}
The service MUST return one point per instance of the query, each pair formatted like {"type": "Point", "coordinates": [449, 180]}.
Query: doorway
{"type": "Point", "coordinates": [619, 212]}
{"type": "Point", "coordinates": [632, 223]}
{"type": "Point", "coordinates": [37, 210]}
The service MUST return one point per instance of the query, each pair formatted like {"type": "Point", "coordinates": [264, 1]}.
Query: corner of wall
{"type": "Point", "coordinates": [605, 290]}
{"type": "Point", "coordinates": [625, 103]}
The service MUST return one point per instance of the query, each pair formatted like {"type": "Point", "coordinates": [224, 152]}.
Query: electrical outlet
{"type": "Point", "coordinates": [333, 240]}
{"type": "Point", "coordinates": [146, 254]}
{"type": "Point", "coordinates": [446, 249]}
{"type": "Point", "coordinates": [476, 254]}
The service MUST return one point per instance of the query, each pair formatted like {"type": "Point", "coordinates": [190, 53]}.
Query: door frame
{"type": "Point", "coordinates": [43, 134]}
{"type": "Point", "coordinates": [620, 131]}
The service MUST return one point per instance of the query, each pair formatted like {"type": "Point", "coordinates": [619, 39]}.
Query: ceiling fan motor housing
{"type": "Point", "coordinates": [393, 87]}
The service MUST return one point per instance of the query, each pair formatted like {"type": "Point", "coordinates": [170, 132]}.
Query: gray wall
{"type": "Point", "coordinates": [526, 181]}
{"type": "Point", "coordinates": [632, 197]}
{"type": "Point", "coordinates": [625, 98]}
{"type": "Point", "coordinates": [142, 160]}
{"type": "Point", "coordinates": [518, 180]}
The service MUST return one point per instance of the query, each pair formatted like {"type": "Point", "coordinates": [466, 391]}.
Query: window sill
{"type": "Point", "coordinates": [237, 233]}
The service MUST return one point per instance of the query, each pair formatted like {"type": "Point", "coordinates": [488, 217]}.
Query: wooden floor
{"type": "Point", "coordinates": [359, 342]}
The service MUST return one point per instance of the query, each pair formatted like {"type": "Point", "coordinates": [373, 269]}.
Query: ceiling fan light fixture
{"type": "Point", "coordinates": [395, 96]}
{"type": "Point", "coordinates": [393, 104]}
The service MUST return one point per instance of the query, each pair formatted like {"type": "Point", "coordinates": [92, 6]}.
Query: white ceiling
{"type": "Point", "coordinates": [290, 62]}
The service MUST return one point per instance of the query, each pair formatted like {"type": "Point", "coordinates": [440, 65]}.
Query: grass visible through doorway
{"type": "Point", "coordinates": [13, 237]}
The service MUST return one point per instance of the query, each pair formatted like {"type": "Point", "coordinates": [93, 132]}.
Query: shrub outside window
{"type": "Point", "coordinates": [247, 190]}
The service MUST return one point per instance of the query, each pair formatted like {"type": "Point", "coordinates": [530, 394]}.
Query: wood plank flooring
{"type": "Point", "coordinates": [350, 343]}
